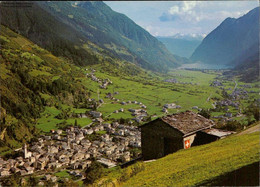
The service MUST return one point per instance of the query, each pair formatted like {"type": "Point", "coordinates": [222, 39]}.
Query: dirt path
{"type": "Point", "coordinates": [250, 130]}
{"type": "Point", "coordinates": [235, 86]}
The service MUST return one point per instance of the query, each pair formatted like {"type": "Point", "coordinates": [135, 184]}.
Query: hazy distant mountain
{"type": "Point", "coordinates": [188, 36]}
{"type": "Point", "coordinates": [232, 39]}
{"type": "Point", "coordinates": [54, 25]}
{"type": "Point", "coordinates": [180, 44]}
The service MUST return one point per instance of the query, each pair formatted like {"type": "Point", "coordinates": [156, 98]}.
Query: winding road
{"type": "Point", "coordinates": [235, 86]}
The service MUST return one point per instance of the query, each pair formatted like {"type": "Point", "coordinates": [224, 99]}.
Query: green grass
{"type": "Point", "coordinates": [194, 76]}
{"type": "Point", "coordinates": [80, 110]}
{"type": "Point", "coordinates": [156, 92]}
{"type": "Point", "coordinates": [151, 90]}
{"type": "Point", "coordinates": [4, 150]}
{"type": "Point", "coordinates": [48, 121]}
{"type": "Point", "coordinates": [101, 132]}
{"type": "Point", "coordinates": [81, 121]}
{"type": "Point", "coordinates": [63, 174]}
{"type": "Point", "coordinates": [196, 165]}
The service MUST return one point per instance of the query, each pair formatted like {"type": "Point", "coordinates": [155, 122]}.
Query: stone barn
{"type": "Point", "coordinates": [170, 133]}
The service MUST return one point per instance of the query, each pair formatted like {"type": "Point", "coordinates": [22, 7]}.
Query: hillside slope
{"type": "Point", "coordinates": [247, 69]}
{"type": "Point", "coordinates": [31, 78]}
{"type": "Point", "coordinates": [51, 24]}
{"type": "Point", "coordinates": [231, 39]}
{"type": "Point", "coordinates": [196, 166]}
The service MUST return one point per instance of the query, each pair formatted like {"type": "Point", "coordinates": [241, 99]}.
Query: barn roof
{"type": "Point", "coordinates": [187, 122]}
{"type": "Point", "coordinates": [218, 132]}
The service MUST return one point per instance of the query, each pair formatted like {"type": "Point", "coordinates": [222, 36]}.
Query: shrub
{"type": "Point", "coordinates": [205, 113]}
{"type": "Point", "coordinates": [232, 126]}
{"type": "Point", "coordinates": [130, 171]}
{"type": "Point", "coordinates": [94, 172]}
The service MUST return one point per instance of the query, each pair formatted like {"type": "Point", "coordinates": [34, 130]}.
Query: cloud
{"type": "Point", "coordinates": [194, 11]}
{"type": "Point", "coordinates": [182, 11]}
{"type": "Point", "coordinates": [174, 10]}
{"type": "Point", "coordinates": [167, 17]}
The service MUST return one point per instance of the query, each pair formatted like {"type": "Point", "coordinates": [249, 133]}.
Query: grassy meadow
{"type": "Point", "coordinates": [151, 90]}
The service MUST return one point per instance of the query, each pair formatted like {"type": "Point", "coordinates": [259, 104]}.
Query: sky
{"type": "Point", "coordinates": [167, 18]}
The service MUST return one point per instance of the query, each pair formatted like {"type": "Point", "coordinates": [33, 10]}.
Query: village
{"type": "Point", "coordinates": [72, 150]}
{"type": "Point", "coordinates": [75, 148]}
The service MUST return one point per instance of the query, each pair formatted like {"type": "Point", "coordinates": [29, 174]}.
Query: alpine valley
{"type": "Point", "coordinates": [79, 81]}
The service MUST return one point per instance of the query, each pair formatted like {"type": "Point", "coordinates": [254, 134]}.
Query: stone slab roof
{"type": "Point", "coordinates": [188, 122]}
{"type": "Point", "coordinates": [217, 132]}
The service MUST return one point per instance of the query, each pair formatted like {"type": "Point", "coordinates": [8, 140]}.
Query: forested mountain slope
{"type": "Point", "coordinates": [65, 27]}
{"type": "Point", "coordinates": [32, 78]}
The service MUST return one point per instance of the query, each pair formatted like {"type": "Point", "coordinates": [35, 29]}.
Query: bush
{"type": "Point", "coordinates": [94, 172]}
{"type": "Point", "coordinates": [205, 113]}
{"type": "Point", "coordinates": [130, 171]}
{"type": "Point", "coordinates": [253, 109]}
{"type": "Point", "coordinates": [232, 126]}
{"type": "Point", "coordinates": [138, 167]}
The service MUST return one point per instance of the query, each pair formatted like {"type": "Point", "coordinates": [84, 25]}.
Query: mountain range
{"type": "Point", "coordinates": [180, 44]}
{"type": "Point", "coordinates": [232, 40]}
{"type": "Point", "coordinates": [95, 27]}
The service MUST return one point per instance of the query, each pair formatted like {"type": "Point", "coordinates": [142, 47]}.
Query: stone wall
{"type": "Point", "coordinates": [159, 139]}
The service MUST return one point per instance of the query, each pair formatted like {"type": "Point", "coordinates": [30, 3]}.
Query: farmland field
{"type": "Point", "coordinates": [193, 89]}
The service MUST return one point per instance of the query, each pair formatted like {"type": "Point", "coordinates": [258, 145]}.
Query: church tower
{"type": "Point", "coordinates": [26, 153]}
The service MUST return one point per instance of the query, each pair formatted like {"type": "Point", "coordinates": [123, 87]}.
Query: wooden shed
{"type": "Point", "coordinates": [170, 133]}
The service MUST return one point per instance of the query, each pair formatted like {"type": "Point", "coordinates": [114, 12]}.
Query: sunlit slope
{"type": "Point", "coordinates": [200, 164]}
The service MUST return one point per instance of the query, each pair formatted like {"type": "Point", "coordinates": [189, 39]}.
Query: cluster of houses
{"type": "Point", "coordinates": [227, 102]}
{"type": "Point", "coordinates": [111, 96]}
{"type": "Point", "coordinates": [176, 81]}
{"type": "Point", "coordinates": [239, 93]}
{"type": "Point", "coordinates": [138, 114]}
{"type": "Point", "coordinates": [72, 149]}
{"type": "Point", "coordinates": [103, 83]}
{"type": "Point", "coordinates": [170, 106]}
{"type": "Point", "coordinates": [216, 83]}
{"type": "Point", "coordinates": [246, 86]}
{"type": "Point", "coordinates": [225, 117]}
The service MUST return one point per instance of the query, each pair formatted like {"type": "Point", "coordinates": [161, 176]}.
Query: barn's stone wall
{"type": "Point", "coordinates": [159, 139]}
